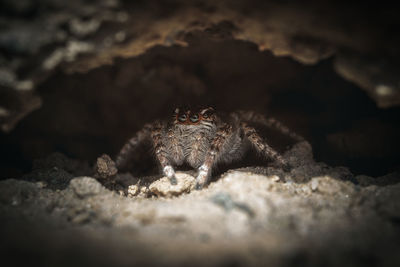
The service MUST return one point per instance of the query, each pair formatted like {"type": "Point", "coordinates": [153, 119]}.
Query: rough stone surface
{"type": "Point", "coordinates": [314, 215]}
{"type": "Point", "coordinates": [39, 36]}
{"type": "Point", "coordinates": [85, 187]}
{"type": "Point", "coordinates": [105, 167]}
{"type": "Point", "coordinates": [378, 76]}
{"type": "Point", "coordinates": [163, 187]}
{"type": "Point", "coordinates": [57, 170]}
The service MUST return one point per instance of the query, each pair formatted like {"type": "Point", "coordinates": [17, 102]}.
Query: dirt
{"type": "Point", "coordinates": [313, 215]}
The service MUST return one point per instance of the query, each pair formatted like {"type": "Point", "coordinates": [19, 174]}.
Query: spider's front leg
{"type": "Point", "coordinates": [263, 147]}
{"type": "Point", "coordinates": [161, 153]}
{"type": "Point", "coordinates": [216, 145]}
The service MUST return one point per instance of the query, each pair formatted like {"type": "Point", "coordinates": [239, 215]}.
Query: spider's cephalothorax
{"type": "Point", "coordinates": [202, 139]}
{"type": "Point", "coordinates": [190, 136]}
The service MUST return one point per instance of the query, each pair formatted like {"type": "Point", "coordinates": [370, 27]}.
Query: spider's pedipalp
{"type": "Point", "coordinates": [161, 152]}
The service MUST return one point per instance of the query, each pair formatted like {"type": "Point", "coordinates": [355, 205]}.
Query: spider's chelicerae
{"type": "Point", "coordinates": [202, 139]}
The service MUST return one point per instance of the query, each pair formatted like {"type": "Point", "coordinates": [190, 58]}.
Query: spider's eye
{"type": "Point", "coordinates": [182, 118]}
{"type": "Point", "coordinates": [207, 114]}
{"type": "Point", "coordinates": [194, 118]}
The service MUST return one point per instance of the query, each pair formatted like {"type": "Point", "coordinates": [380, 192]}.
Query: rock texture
{"type": "Point", "coordinates": [39, 36]}
{"type": "Point", "coordinates": [163, 187]}
{"type": "Point", "coordinates": [314, 215]}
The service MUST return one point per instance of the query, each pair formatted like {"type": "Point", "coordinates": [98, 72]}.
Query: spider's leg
{"type": "Point", "coordinates": [270, 122]}
{"type": "Point", "coordinates": [216, 145]}
{"type": "Point", "coordinates": [262, 146]}
{"type": "Point", "coordinates": [161, 153]}
{"type": "Point", "coordinates": [141, 136]}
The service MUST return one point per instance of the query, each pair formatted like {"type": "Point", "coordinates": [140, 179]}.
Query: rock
{"type": "Point", "coordinates": [328, 186]}
{"type": "Point", "coordinates": [16, 103]}
{"type": "Point", "coordinates": [57, 170]}
{"type": "Point", "coordinates": [388, 179]}
{"type": "Point", "coordinates": [75, 35]}
{"type": "Point", "coordinates": [300, 154]}
{"type": "Point", "coordinates": [314, 184]}
{"type": "Point", "coordinates": [14, 192]}
{"type": "Point", "coordinates": [133, 190]}
{"type": "Point", "coordinates": [275, 178]}
{"type": "Point", "coordinates": [163, 187]}
{"type": "Point", "coordinates": [365, 180]}
{"type": "Point", "coordinates": [143, 192]}
{"type": "Point", "coordinates": [366, 138]}
{"type": "Point", "coordinates": [242, 214]}
{"type": "Point", "coordinates": [388, 202]}
{"type": "Point", "coordinates": [105, 167]}
{"type": "Point", "coordinates": [309, 51]}
{"type": "Point", "coordinates": [25, 41]}
{"type": "Point", "coordinates": [377, 76]}
{"type": "Point", "coordinates": [86, 187]}
{"type": "Point", "coordinates": [55, 178]}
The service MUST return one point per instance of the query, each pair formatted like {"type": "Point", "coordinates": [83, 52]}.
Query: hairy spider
{"type": "Point", "coordinates": [202, 139]}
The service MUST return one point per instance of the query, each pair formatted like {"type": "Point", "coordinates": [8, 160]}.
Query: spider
{"type": "Point", "coordinates": [202, 139]}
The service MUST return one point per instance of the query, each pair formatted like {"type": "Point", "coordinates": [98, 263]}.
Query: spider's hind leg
{"type": "Point", "coordinates": [121, 160]}
{"type": "Point", "coordinates": [269, 122]}
{"type": "Point", "coordinates": [150, 132]}
{"type": "Point", "coordinates": [260, 145]}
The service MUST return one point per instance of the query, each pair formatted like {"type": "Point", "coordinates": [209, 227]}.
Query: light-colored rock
{"type": "Point", "coordinates": [133, 190]}
{"type": "Point", "coordinates": [164, 188]}
{"type": "Point", "coordinates": [377, 77]}
{"type": "Point", "coordinates": [86, 186]}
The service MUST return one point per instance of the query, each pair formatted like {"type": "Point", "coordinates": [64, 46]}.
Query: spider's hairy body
{"type": "Point", "coordinates": [195, 141]}
{"type": "Point", "coordinates": [201, 139]}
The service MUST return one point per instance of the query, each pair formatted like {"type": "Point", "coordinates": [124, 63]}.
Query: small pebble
{"type": "Point", "coordinates": [275, 178]}
{"type": "Point", "coordinates": [133, 190]}
{"type": "Point", "coordinates": [164, 188]}
{"type": "Point", "coordinates": [314, 184]}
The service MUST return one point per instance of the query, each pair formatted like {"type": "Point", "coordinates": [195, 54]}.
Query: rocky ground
{"type": "Point", "coordinates": [314, 215]}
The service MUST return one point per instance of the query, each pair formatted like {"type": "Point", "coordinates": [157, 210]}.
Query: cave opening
{"type": "Point", "coordinates": [87, 114]}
